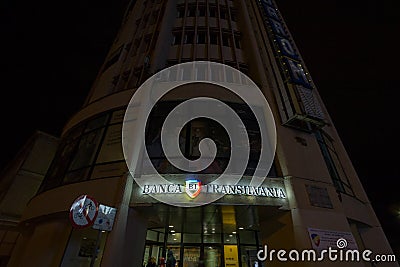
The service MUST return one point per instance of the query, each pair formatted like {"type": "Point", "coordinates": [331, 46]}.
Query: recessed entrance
{"type": "Point", "coordinates": [209, 236]}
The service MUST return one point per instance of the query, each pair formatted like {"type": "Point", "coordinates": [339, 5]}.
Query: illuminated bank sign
{"type": "Point", "coordinates": [299, 98]}
{"type": "Point", "coordinates": [194, 187]}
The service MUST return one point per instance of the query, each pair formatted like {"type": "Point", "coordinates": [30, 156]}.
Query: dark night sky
{"type": "Point", "coordinates": [51, 52]}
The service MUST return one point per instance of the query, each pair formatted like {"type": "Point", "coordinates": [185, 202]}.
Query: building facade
{"type": "Point", "coordinates": [19, 182]}
{"type": "Point", "coordinates": [321, 193]}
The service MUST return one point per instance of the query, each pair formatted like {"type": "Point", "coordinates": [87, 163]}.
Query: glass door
{"type": "Point", "coordinates": [249, 256]}
{"type": "Point", "coordinates": [212, 257]}
{"type": "Point", "coordinates": [191, 256]}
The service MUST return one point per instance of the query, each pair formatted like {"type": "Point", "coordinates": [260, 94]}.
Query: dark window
{"type": "Point", "coordinates": [191, 11]}
{"type": "Point", "coordinates": [201, 37]}
{"type": "Point", "coordinates": [189, 36]}
{"type": "Point", "coordinates": [237, 42]}
{"type": "Point", "coordinates": [213, 11]}
{"type": "Point", "coordinates": [180, 12]}
{"type": "Point", "coordinates": [226, 40]}
{"type": "Point", "coordinates": [113, 59]}
{"type": "Point", "coordinates": [86, 149]}
{"type": "Point", "coordinates": [233, 15]}
{"type": "Point", "coordinates": [202, 11]}
{"type": "Point", "coordinates": [243, 68]}
{"type": "Point", "coordinates": [135, 78]}
{"type": "Point", "coordinates": [333, 163]}
{"type": "Point", "coordinates": [222, 13]}
{"type": "Point", "coordinates": [177, 37]}
{"type": "Point", "coordinates": [213, 38]}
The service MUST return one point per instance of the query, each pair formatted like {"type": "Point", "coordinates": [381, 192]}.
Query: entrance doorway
{"type": "Point", "coordinates": [208, 236]}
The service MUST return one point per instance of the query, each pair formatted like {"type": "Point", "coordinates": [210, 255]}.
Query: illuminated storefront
{"type": "Point", "coordinates": [210, 234]}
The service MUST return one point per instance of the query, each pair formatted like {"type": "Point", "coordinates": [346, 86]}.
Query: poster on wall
{"type": "Point", "coordinates": [323, 239]}
{"type": "Point", "coordinates": [231, 256]}
{"type": "Point", "coordinates": [105, 218]}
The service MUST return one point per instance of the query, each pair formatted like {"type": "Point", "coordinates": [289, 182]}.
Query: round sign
{"type": "Point", "coordinates": [83, 211]}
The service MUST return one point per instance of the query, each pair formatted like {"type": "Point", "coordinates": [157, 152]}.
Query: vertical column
{"type": "Point", "coordinates": [125, 242]}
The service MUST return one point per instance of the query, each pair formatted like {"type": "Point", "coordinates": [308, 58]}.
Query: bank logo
{"type": "Point", "coordinates": [193, 188]}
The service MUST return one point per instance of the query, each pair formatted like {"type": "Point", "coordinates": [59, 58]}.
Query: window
{"type": "Point", "coordinates": [222, 13]}
{"type": "Point", "coordinates": [177, 38]}
{"type": "Point", "coordinates": [243, 68]}
{"type": "Point", "coordinates": [191, 11]}
{"type": "Point", "coordinates": [201, 37]}
{"type": "Point", "coordinates": [333, 163]}
{"type": "Point", "coordinates": [237, 41]}
{"type": "Point", "coordinates": [226, 40]}
{"type": "Point", "coordinates": [135, 78]}
{"type": "Point", "coordinates": [233, 15]}
{"type": "Point", "coordinates": [86, 149]}
{"type": "Point", "coordinates": [202, 11]}
{"type": "Point", "coordinates": [180, 12]}
{"type": "Point", "coordinates": [213, 11]}
{"type": "Point", "coordinates": [113, 59]}
{"type": "Point", "coordinates": [75, 160]}
{"type": "Point", "coordinates": [213, 38]}
{"type": "Point", "coordinates": [189, 36]}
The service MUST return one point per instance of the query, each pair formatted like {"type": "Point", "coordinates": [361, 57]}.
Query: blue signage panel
{"type": "Point", "coordinates": [278, 28]}
{"type": "Point", "coordinates": [296, 72]}
{"type": "Point", "coordinates": [286, 48]}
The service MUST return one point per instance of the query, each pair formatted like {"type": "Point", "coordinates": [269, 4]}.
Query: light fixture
{"type": "Point", "coordinates": [174, 239]}
{"type": "Point", "coordinates": [173, 234]}
{"type": "Point", "coordinates": [213, 229]}
{"type": "Point", "coordinates": [234, 233]}
{"type": "Point", "coordinates": [227, 240]}
{"type": "Point", "coordinates": [172, 231]}
{"type": "Point", "coordinates": [103, 231]}
{"type": "Point", "coordinates": [241, 228]}
{"type": "Point", "coordinates": [84, 238]}
{"type": "Point", "coordinates": [171, 226]}
{"type": "Point", "coordinates": [230, 235]}
{"type": "Point", "coordinates": [213, 232]}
